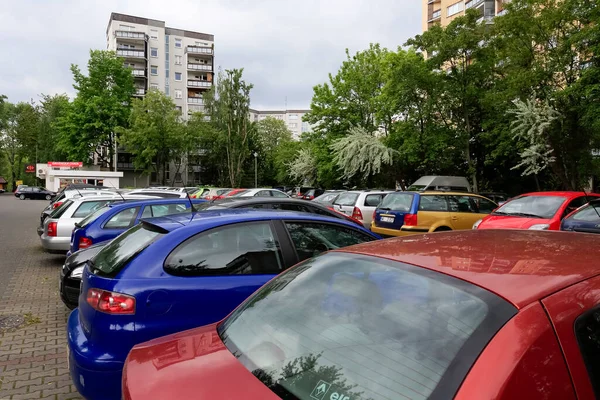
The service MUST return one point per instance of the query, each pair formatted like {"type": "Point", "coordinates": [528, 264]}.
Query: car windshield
{"type": "Point", "coordinates": [240, 194]}
{"type": "Point", "coordinates": [346, 199]}
{"type": "Point", "coordinates": [112, 258]}
{"type": "Point", "coordinates": [92, 217]}
{"type": "Point", "coordinates": [397, 202]}
{"type": "Point", "coordinates": [532, 206]}
{"type": "Point", "coordinates": [361, 327]}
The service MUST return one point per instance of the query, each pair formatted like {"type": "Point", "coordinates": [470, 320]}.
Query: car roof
{"type": "Point", "coordinates": [559, 193]}
{"type": "Point", "coordinates": [519, 265]}
{"type": "Point", "coordinates": [248, 200]}
{"type": "Point", "coordinates": [236, 215]}
{"type": "Point", "coordinates": [155, 201]}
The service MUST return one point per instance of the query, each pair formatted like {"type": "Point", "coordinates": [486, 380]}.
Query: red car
{"type": "Point", "coordinates": [536, 211]}
{"type": "Point", "coordinates": [467, 315]}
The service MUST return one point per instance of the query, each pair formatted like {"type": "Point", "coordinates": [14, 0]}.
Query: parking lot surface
{"type": "Point", "coordinates": [33, 363]}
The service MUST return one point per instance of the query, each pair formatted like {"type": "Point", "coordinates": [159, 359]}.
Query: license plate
{"type": "Point", "coordinates": [387, 219]}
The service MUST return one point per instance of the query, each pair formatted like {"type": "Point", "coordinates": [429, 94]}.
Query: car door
{"type": "Point", "coordinates": [369, 205]}
{"type": "Point", "coordinates": [218, 269]}
{"type": "Point", "coordinates": [463, 212]}
{"type": "Point", "coordinates": [36, 193]}
{"type": "Point", "coordinates": [310, 239]}
{"type": "Point", "coordinates": [575, 314]}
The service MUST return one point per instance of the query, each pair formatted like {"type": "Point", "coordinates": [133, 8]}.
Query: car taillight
{"type": "Point", "coordinates": [410, 219]}
{"type": "Point", "coordinates": [356, 213]}
{"type": "Point", "coordinates": [111, 302]}
{"type": "Point", "coordinates": [57, 204]}
{"type": "Point", "coordinates": [84, 242]}
{"type": "Point", "coordinates": [52, 229]}
{"type": "Point", "coordinates": [374, 214]}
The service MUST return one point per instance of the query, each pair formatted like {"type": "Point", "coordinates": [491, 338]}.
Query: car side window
{"type": "Point", "coordinates": [276, 193]}
{"type": "Point", "coordinates": [462, 204]}
{"type": "Point", "coordinates": [88, 207]}
{"type": "Point", "coordinates": [147, 213]}
{"type": "Point", "coordinates": [263, 193]}
{"type": "Point", "coordinates": [587, 332]}
{"type": "Point", "coordinates": [589, 213]}
{"type": "Point", "coordinates": [484, 206]}
{"type": "Point", "coordinates": [123, 219]}
{"type": "Point", "coordinates": [313, 238]}
{"type": "Point", "coordinates": [575, 204]}
{"type": "Point", "coordinates": [373, 200]}
{"type": "Point", "coordinates": [242, 249]}
{"type": "Point", "coordinates": [433, 203]}
{"type": "Point", "coordinates": [289, 207]}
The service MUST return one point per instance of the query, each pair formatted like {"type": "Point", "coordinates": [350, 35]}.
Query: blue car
{"type": "Point", "coordinates": [174, 273]}
{"type": "Point", "coordinates": [109, 222]}
{"type": "Point", "coordinates": [585, 219]}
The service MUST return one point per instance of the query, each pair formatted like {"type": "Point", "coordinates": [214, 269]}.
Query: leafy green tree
{"type": "Point", "coordinates": [101, 107]}
{"type": "Point", "coordinates": [227, 104]}
{"type": "Point", "coordinates": [272, 137]}
{"type": "Point", "coordinates": [302, 169]}
{"type": "Point", "coordinates": [51, 109]}
{"type": "Point", "coordinates": [156, 136]}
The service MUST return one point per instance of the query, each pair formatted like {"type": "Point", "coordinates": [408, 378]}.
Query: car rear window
{"type": "Point", "coordinates": [114, 256]}
{"type": "Point", "coordinates": [88, 207]}
{"type": "Point", "coordinates": [343, 326]}
{"type": "Point", "coordinates": [397, 202]}
{"type": "Point", "coordinates": [92, 217]}
{"type": "Point", "coordinates": [60, 210]}
{"type": "Point", "coordinates": [346, 199]}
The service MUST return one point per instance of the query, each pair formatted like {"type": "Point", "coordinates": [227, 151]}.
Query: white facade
{"type": "Point", "coordinates": [292, 118]}
{"type": "Point", "coordinates": [55, 176]}
{"type": "Point", "coordinates": [177, 62]}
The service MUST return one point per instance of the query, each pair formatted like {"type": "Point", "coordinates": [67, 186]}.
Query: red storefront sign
{"type": "Point", "coordinates": [29, 168]}
{"type": "Point", "coordinates": [69, 164]}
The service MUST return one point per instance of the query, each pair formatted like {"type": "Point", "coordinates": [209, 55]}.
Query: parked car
{"type": "Point", "coordinates": [110, 221]}
{"type": "Point", "coordinates": [300, 191]}
{"type": "Point", "coordinates": [173, 273]}
{"type": "Point", "coordinates": [187, 189]}
{"type": "Point", "coordinates": [586, 219]}
{"type": "Point", "coordinates": [496, 197]}
{"type": "Point", "coordinates": [359, 205]}
{"type": "Point", "coordinates": [163, 193]}
{"type": "Point", "coordinates": [328, 197]}
{"type": "Point", "coordinates": [229, 193]}
{"type": "Point", "coordinates": [57, 228]}
{"type": "Point", "coordinates": [422, 317]}
{"type": "Point", "coordinates": [436, 183]}
{"type": "Point", "coordinates": [199, 192]}
{"type": "Point", "coordinates": [69, 279]}
{"type": "Point", "coordinates": [538, 211]}
{"type": "Point", "coordinates": [276, 203]}
{"type": "Point", "coordinates": [407, 213]}
{"type": "Point", "coordinates": [34, 193]}
{"type": "Point", "coordinates": [312, 193]}
{"type": "Point", "coordinates": [260, 193]}
{"type": "Point", "coordinates": [213, 193]}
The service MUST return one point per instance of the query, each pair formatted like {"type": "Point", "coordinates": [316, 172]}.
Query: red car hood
{"type": "Point", "coordinates": [508, 222]}
{"type": "Point", "coordinates": [194, 364]}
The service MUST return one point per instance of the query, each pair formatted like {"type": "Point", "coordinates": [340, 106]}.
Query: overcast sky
{"type": "Point", "coordinates": [285, 46]}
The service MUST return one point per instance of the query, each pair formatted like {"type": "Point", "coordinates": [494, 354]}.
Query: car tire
{"type": "Point", "coordinates": [442, 229]}
{"type": "Point", "coordinates": [22, 197]}
{"type": "Point", "coordinates": [48, 197]}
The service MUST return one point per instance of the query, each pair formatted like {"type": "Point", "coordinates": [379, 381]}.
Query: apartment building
{"type": "Point", "coordinates": [177, 62]}
{"type": "Point", "coordinates": [292, 118]}
{"type": "Point", "coordinates": [442, 12]}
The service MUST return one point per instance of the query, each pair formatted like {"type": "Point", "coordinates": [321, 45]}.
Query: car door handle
{"type": "Point", "coordinates": [454, 218]}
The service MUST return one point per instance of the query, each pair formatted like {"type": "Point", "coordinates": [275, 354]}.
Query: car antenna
{"type": "Point", "coordinates": [588, 201]}
{"type": "Point", "coordinates": [74, 187]}
{"type": "Point", "coordinates": [187, 194]}
{"type": "Point", "coordinates": [116, 190]}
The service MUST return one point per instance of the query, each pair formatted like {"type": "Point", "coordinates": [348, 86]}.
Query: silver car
{"type": "Point", "coordinates": [57, 228]}
{"type": "Point", "coordinates": [360, 204]}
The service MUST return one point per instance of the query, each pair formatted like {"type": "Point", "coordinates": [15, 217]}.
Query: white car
{"type": "Point", "coordinates": [162, 193]}
{"type": "Point", "coordinates": [57, 228]}
{"type": "Point", "coordinates": [261, 193]}
{"type": "Point", "coordinates": [360, 204]}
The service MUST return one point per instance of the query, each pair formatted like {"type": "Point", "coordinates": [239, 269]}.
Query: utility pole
{"type": "Point", "coordinates": [255, 169]}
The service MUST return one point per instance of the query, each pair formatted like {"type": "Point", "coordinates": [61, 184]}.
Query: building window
{"type": "Point", "coordinates": [178, 94]}
{"type": "Point", "coordinates": [293, 116]}
{"type": "Point", "coordinates": [154, 86]}
{"type": "Point", "coordinates": [177, 60]}
{"type": "Point", "coordinates": [126, 27]}
{"type": "Point", "coordinates": [154, 70]}
{"type": "Point", "coordinates": [305, 127]}
{"type": "Point", "coordinates": [154, 34]}
{"type": "Point", "coordinates": [455, 8]}
{"type": "Point", "coordinates": [293, 125]}
{"type": "Point", "coordinates": [178, 108]}
{"type": "Point", "coordinates": [178, 43]}
{"type": "Point", "coordinates": [177, 76]}
{"type": "Point", "coordinates": [154, 51]}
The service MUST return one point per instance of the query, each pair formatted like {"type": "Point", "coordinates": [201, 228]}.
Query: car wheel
{"type": "Point", "coordinates": [442, 229]}
{"type": "Point", "coordinates": [48, 197]}
{"type": "Point", "coordinates": [22, 197]}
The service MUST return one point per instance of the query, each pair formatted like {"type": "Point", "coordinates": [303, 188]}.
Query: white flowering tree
{"type": "Point", "coordinates": [303, 168]}
{"type": "Point", "coordinates": [361, 153]}
{"type": "Point", "coordinates": [533, 118]}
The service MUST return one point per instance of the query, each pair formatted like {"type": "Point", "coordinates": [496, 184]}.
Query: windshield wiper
{"type": "Point", "coordinates": [519, 214]}
{"type": "Point", "coordinates": [384, 208]}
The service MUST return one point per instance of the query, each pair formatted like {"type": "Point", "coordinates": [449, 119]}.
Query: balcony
{"type": "Point", "coordinates": [473, 3]}
{"type": "Point", "coordinates": [136, 36]}
{"type": "Point", "coordinates": [437, 14]}
{"type": "Point", "coordinates": [139, 92]}
{"type": "Point", "coordinates": [199, 67]}
{"type": "Point", "coordinates": [200, 50]}
{"type": "Point", "coordinates": [500, 13]}
{"type": "Point", "coordinates": [138, 73]}
{"type": "Point", "coordinates": [488, 19]}
{"type": "Point", "coordinates": [195, 108]}
{"type": "Point", "coordinates": [136, 54]}
{"type": "Point", "coordinates": [199, 84]}
{"type": "Point", "coordinates": [196, 100]}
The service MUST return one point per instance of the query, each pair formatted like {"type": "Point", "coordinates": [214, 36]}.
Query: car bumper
{"type": "Point", "coordinates": [40, 230]}
{"type": "Point", "coordinates": [55, 243]}
{"type": "Point", "coordinates": [94, 379]}
{"type": "Point", "coordinates": [397, 232]}
{"type": "Point", "coordinates": [69, 290]}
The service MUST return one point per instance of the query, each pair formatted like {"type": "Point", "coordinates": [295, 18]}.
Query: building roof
{"type": "Point", "coordinates": [2, 181]}
{"type": "Point", "coordinates": [519, 265]}
{"type": "Point", "coordinates": [271, 112]}
{"type": "Point", "coordinates": [161, 24]}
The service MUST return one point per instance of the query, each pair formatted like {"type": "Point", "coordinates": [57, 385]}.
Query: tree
{"type": "Point", "coordinates": [51, 110]}
{"type": "Point", "coordinates": [303, 167]}
{"type": "Point", "coordinates": [227, 104]}
{"type": "Point", "coordinates": [272, 140]}
{"type": "Point", "coordinates": [361, 153]}
{"type": "Point", "coordinates": [156, 136]}
{"type": "Point", "coordinates": [101, 107]}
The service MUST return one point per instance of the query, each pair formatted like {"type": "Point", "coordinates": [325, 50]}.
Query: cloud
{"type": "Point", "coordinates": [285, 46]}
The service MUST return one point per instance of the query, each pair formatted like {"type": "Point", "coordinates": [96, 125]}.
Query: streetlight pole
{"type": "Point", "coordinates": [255, 169]}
